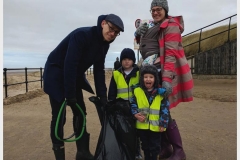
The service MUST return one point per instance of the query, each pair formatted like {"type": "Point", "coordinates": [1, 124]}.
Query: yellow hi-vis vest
{"type": "Point", "coordinates": [153, 111]}
{"type": "Point", "coordinates": [124, 91]}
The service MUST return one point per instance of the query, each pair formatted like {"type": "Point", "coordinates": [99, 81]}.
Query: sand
{"type": "Point", "coordinates": [208, 125]}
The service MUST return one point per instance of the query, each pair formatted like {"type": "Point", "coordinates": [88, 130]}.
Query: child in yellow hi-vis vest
{"type": "Point", "coordinates": [151, 111]}
{"type": "Point", "coordinates": [124, 79]}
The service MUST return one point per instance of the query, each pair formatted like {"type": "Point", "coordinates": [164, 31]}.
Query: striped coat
{"type": "Point", "coordinates": [174, 65]}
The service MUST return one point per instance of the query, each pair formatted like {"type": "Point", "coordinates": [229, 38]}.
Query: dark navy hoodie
{"type": "Point", "coordinates": [64, 72]}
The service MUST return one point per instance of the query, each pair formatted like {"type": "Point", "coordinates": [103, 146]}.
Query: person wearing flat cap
{"type": "Point", "coordinates": [161, 45]}
{"type": "Point", "coordinates": [64, 76]}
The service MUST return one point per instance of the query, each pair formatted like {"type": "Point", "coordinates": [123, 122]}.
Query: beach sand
{"type": "Point", "coordinates": [208, 125]}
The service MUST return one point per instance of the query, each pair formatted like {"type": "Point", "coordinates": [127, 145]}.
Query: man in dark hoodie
{"type": "Point", "coordinates": [64, 76]}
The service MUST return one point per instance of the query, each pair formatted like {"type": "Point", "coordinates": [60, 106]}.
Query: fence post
{"type": "Point", "coordinates": [229, 57]}
{"type": "Point", "coordinates": [199, 44]}
{"type": "Point", "coordinates": [41, 77]}
{"type": "Point", "coordinates": [5, 83]}
{"type": "Point", "coordinates": [229, 28]}
{"type": "Point", "coordinates": [192, 65]}
{"type": "Point", "coordinates": [26, 80]}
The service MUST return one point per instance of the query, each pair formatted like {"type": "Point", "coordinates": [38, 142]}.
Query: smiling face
{"type": "Point", "coordinates": [158, 14]}
{"type": "Point", "coordinates": [148, 80]}
{"type": "Point", "coordinates": [109, 31]}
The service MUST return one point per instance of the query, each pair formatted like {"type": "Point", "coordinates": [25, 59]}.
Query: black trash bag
{"type": "Point", "coordinates": [117, 139]}
{"type": "Point", "coordinates": [122, 122]}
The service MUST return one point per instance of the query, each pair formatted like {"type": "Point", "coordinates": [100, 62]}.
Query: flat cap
{"type": "Point", "coordinates": [116, 20]}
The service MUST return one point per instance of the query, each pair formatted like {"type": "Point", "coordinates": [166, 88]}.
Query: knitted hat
{"type": "Point", "coordinates": [149, 69]}
{"type": "Point", "coordinates": [114, 19]}
{"type": "Point", "coordinates": [127, 53]}
{"type": "Point", "coordinates": [160, 3]}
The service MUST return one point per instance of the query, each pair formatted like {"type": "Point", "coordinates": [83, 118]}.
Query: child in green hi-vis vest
{"type": "Point", "coordinates": [151, 111]}
{"type": "Point", "coordinates": [124, 79]}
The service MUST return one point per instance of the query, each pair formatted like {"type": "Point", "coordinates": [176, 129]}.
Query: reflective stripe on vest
{"type": "Point", "coordinates": [123, 90]}
{"type": "Point", "coordinates": [153, 111]}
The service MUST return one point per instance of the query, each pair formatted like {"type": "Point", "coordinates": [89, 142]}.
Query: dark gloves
{"type": "Point", "coordinates": [142, 29]}
{"type": "Point", "coordinates": [72, 103]}
{"type": "Point", "coordinates": [103, 100]}
{"type": "Point", "coordinates": [168, 87]}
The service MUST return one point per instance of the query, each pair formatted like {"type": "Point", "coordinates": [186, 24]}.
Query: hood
{"type": "Point", "coordinates": [151, 69]}
{"type": "Point", "coordinates": [174, 19]}
{"type": "Point", "coordinates": [99, 27]}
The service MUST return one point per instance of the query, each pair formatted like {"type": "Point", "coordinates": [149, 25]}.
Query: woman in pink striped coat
{"type": "Point", "coordinates": [164, 40]}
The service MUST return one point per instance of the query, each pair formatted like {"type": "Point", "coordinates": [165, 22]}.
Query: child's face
{"type": "Point", "coordinates": [148, 80]}
{"type": "Point", "coordinates": [127, 63]}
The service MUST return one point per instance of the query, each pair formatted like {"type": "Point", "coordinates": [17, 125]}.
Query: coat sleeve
{"type": "Point", "coordinates": [172, 38]}
{"type": "Point", "coordinates": [99, 75]}
{"type": "Point", "coordinates": [134, 107]}
{"type": "Point", "coordinates": [112, 91]}
{"type": "Point", "coordinates": [164, 113]}
{"type": "Point", "coordinates": [73, 56]}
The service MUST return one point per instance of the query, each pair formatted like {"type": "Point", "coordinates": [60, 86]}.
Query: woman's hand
{"type": "Point", "coordinates": [142, 29]}
{"type": "Point", "coordinates": [168, 87]}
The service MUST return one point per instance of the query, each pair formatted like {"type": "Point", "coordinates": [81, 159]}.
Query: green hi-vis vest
{"type": "Point", "coordinates": [124, 91]}
{"type": "Point", "coordinates": [152, 111]}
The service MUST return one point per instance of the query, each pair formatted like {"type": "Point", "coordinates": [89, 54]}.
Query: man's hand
{"type": "Point", "coordinates": [103, 100]}
{"type": "Point", "coordinates": [142, 29]}
{"type": "Point", "coordinates": [168, 87]}
{"type": "Point", "coordinates": [72, 103]}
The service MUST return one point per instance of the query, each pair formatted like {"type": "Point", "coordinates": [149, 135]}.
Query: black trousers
{"type": "Point", "coordinates": [151, 142]}
{"type": "Point", "coordinates": [55, 105]}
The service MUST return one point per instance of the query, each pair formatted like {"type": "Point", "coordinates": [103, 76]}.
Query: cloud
{"type": "Point", "coordinates": [38, 26]}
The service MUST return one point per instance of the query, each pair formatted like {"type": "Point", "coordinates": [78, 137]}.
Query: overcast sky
{"type": "Point", "coordinates": [33, 28]}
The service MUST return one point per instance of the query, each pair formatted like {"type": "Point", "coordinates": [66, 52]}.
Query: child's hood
{"type": "Point", "coordinates": [150, 69]}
